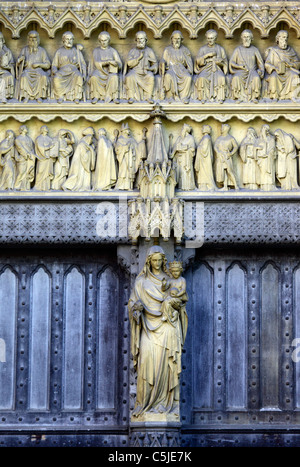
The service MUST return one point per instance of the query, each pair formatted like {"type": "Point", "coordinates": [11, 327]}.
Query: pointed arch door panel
{"type": "Point", "coordinates": [240, 362]}
{"type": "Point", "coordinates": [63, 355]}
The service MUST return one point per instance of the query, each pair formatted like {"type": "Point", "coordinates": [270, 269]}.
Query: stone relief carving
{"type": "Point", "coordinates": [74, 75]}
{"type": "Point", "coordinates": [211, 67]}
{"type": "Point", "coordinates": [139, 71]}
{"type": "Point", "coordinates": [103, 72]}
{"type": "Point", "coordinates": [247, 69]}
{"type": "Point", "coordinates": [157, 310]}
{"type": "Point", "coordinates": [282, 66]}
{"type": "Point", "coordinates": [263, 160]}
{"type": "Point", "coordinates": [82, 164]}
{"type": "Point", "coordinates": [225, 148]}
{"type": "Point", "coordinates": [32, 71]}
{"type": "Point", "coordinates": [7, 161]}
{"type": "Point", "coordinates": [7, 72]}
{"type": "Point", "coordinates": [25, 158]}
{"type": "Point", "coordinates": [69, 71]}
{"type": "Point", "coordinates": [176, 69]}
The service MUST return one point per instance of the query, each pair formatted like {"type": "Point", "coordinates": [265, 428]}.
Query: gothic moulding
{"type": "Point", "coordinates": [122, 20]}
{"type": "Point", "coordinates": [159, 16]}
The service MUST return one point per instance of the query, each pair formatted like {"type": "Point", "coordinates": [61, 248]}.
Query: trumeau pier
{"type": "Point", "coordinates": [149, 203]}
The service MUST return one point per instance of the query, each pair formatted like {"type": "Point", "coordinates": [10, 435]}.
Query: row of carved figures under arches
{"type": "Point", "coordinates": [176, 76]}
{"type": "Point", "coordinates": [264, 160]}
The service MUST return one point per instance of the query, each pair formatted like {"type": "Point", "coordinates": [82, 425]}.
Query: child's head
{"type": "Point", "coordinates": [176, 269]}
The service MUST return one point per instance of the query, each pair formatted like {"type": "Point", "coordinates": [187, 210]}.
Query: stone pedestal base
{"type": "Point", "coordinates": [155, 434]}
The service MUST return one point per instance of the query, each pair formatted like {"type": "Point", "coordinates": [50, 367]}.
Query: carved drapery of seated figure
{"type": "Point", "coordinates": [247, 69]}
{"type": "Point", "coordinates": [211, 67]}
{"type": "Point", "coordinates": [176, 69]}
{"type": "Point", "coordinates": [25, 160]}
{"type": "Point", "coordinates": [140, 69]}
{"type": "Point", "coordinates": [282, 65]}
{"type": "Point", "coordinates": [7, 73]}
{"type": "Point", "coordinates": [103, 72]}
{"type": "Point", "coordinates": [32, 71]}
{"type": "Point", "coordinates": [69, 71]}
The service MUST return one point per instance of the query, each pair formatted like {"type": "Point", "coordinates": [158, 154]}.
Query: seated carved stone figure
{"type": "Point", "coordinates": [176, 69]}
{"type": "Point", "coordinates": [32, 71]}
{"type": "Point", "coordinates": [140, 69]}
{"type": "Point", "coordinates": [282, 65]}
{"type": "Point", "coordinates": [7, 73]}
{"type": "Point", "coordinates": [103, 72]}
{"type": "Point", "coordinates": [69, 71]}
{"type": "Point", "coordinates": [211, 67]}
{"type": "Point", "coordinates": [247, 69]}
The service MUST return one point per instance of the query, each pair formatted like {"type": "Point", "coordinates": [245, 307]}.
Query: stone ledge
{"type": "Point", "coordinates": [84, 221]}
{"type": "Point", "coordinates": [140, 112]}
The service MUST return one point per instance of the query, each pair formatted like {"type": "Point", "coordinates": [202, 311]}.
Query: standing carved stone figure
{"type": "Point", "coordinates": [140, 69]}
{"type": "Point", "coordinates": [211, 67]}
{"type": "Point", "coordinates": [266, 156]}
{"type": "Point", "coordinates": [64, 148]}
{"type": "Point", "coordinates": [103, 72]}
{"type": "Point", "coordinates": [247, 68]}
{"type": "Point", "coordinates": [83, 163]}
{"type": "Point", "coordinates": [69, 71]}
{"type": "Point", "coordinates": [32, 71]}
{"type": "Point", "coordinates": [204, 161]}
{"type": "Point", "coordinates": [156, 344]}
{"type": "Point", "coordinates": [7, 72]}
{"type": "Point", "coordinates": [286, 169]}
{"type": "Point", "coordinates": [250, 172]}
{"type": "Point", "coordinates": [46, 155]}
{"type": "Point", "coordinates": [105, 175]}
{"type": "Point", "coordinates": [176, 69]}
{"type": "Point", "coordinates": [282, 65]}
{"type": "Point", "coordinates": [129, 154]}
{"type": "Point", "coordinates": [183, 153]}
{"type": "Point", "coordinates": [7, 161]}
{"type": "Point", "coordinates": [225, 148]}
{"type": "Point", "coordinates": [25, 160]}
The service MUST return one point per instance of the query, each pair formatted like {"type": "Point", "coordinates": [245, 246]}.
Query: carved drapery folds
{"type": "Point", "coordinates": [154, 166]}
{"type": "Point", "coordinates": [80, 73]}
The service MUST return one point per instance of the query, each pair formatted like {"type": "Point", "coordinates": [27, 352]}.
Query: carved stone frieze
{"type": "Point", "coordinates": [157, 15]}
{"type": "Point", "coordinates": [96, 222]}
